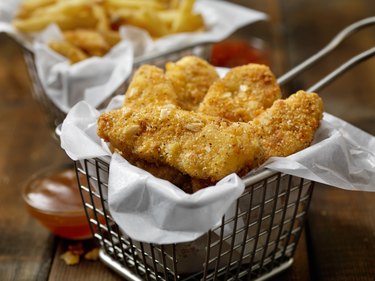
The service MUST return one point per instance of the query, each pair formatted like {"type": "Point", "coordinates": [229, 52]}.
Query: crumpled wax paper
{"type": "Point", "coordinates": [96, 79]}
{"type": "Point", "coordinates": [153, 210]}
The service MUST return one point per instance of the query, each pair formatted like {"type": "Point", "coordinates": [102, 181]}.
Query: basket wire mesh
{"type": "Point", "coordinates": [259, 237]}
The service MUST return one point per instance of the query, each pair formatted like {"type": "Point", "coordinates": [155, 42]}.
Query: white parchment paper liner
{"type": "Point", "coordinates": [95, 79]}
{"type": "Point", "coordinates": [153, 210]}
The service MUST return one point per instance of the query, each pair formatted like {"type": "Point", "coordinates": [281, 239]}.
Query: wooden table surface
{"type": "Point", "coordinates": [339, 238]}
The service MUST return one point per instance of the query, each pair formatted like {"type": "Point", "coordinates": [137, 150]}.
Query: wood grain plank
{"type": "Point", "coordinates": [26, 147]}
{"type": "Point", "coordinates": [341, 223]}
{"type": "Point", "coordinates": [342, 228]}
{"type": "Point", "coordinates": [85, 270]}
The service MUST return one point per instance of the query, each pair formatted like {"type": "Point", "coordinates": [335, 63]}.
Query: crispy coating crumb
{"type": "Point", "coordinates": [242, 94]}
{"type": "Point", "coordinates": [191, 77]}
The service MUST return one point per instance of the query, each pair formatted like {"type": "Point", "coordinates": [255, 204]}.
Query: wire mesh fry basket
{"type": "Point", "coordinates": [259, 238]}
{"type": "Point", "coordinates": [255, 240]}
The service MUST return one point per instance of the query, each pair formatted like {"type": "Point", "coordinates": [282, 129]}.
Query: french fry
{"type": "Point", "coordinates": [168, 17]}
{"type": "Point", "coordinates": [187, 23]}
{"type": "Point", "coordinates": [112, 37]}
{"type": "Point", "coordinates": [173, 4]}
{"type": "Point", "coordinates": [29, 6]}
{"type": "Point", "coordinates": [78, 19]}
{"type": "Point", "coordinates": [100, 14]}
{"type": "Point", "coordinates": [65, 7]}
{"type": "Point", "coordinates": [135, 4]}
{"type": "Point", "coordinates": [186, 20]}
{"type": "Point", "coordinates": [68, 50]}
{"type": "Point", "coordinates": [91, 26]}
{"type": "Point", "coordinates": [90, 41]}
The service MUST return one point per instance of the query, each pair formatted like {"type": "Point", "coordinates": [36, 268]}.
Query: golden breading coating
{"type": "Point", "coordinates": [199, 145]}
{"type": "Point", "coordinates": [242, 94]}
{"type": "Point", "coordinates": [149, 86]}
{"type": "Point", "coordinates": [289, 125]}
{"type": "Point", "coordinates": [209, 148]}
{"type": "Point", "coordinates": [191, 77]}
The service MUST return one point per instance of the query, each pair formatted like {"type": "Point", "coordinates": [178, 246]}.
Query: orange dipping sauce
{"type": "Point", "coordinates": [54, 200]}
{"type": "Point", "coordinates": [236, 52]}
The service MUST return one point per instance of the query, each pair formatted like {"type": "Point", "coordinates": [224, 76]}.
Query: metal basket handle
{"type": "Point", "coordinates": [336, 41]}
{"type": "Point", "coordinates": [341, 69]}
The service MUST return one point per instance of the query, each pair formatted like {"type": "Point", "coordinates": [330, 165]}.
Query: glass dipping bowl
{"type": "Point", "coordinates": [52, 197]}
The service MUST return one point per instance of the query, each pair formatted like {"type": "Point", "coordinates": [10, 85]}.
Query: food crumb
{"type": "Point", "coordinates": [70, 258]}
{"type": "Point", "coordinates": [92, 255]}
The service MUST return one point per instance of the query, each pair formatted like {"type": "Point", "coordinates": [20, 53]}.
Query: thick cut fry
{"type": "Point", "coordinates": [188, 23]}
{"type": "Point", "coordinates": [143, 18]}
{"type": "Point", "coordinates": [186, 20]}
{"type": "Point", "coordinates": [82, 19]}
{"type": "Point", "coordinates": [100, 14]}
{"type": "Point", "coordinates": [90, 41]}
{"type": "Point", "coordinates": [27, 7]}
{"type": "Point", "coordinates": [112, 37]}
{"type": "Point", "coordinates": [65, 7]}
{"type": "Point", "coordinates": [191, 78]}
{"type": "Point", "coordinates": [158, 17]}
{"type": "Point", "coordinates": [135, 4]}
{"type": "Point", "coordinates": [68, 50]}
{"type": "Point", "coordinates": [242, 94]}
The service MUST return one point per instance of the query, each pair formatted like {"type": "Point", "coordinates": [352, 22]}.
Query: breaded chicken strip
{"type": "Point", "coordinates": [149, 86]}
{"type": "Point", "coordinates": [242, 94]}
{"type": "Point", "coordinates": [199, 145]}
{"type": "Point", "coordinates": [191, 77]}
{"type": "Point", "coordinates": [289, 125]}
{"type": "Point", "coordinates": [209, 148]}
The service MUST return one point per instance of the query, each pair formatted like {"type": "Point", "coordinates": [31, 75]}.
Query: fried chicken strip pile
{"type": "Point", "coordinates": [244, 93]}
{"type": "Point", "coordinates": [207, 147]}
{"type": "Point", "coordinates": [240, 123]}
